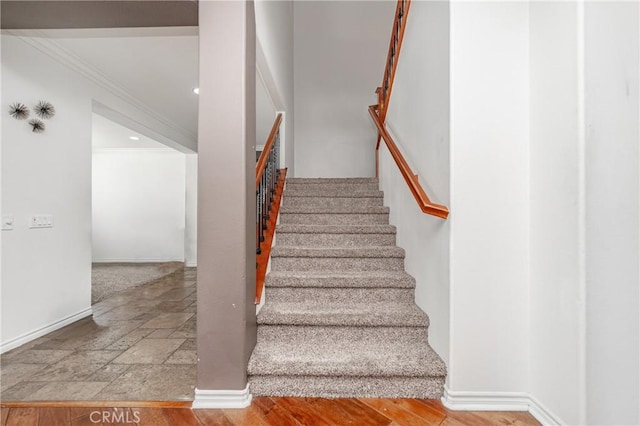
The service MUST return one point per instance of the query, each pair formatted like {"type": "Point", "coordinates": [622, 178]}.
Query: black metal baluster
{"type": "Point", "coordinates": [265, 204]}
{"type": "Point", "coordinates": [258, 219]}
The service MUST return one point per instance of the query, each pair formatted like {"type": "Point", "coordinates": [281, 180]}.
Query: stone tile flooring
{"type": "Point", "coordinates": [140, 345]}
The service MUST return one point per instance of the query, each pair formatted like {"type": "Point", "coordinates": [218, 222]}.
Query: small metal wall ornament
{"type": "Point", "coordinates": [18, 110]}
{"type": "Point", "coordinates": [37, 126]}
{"type": "Point", "coordinates": [44, 110]}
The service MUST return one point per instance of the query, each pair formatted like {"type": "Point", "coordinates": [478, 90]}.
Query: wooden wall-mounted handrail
{"type": "Point", "coordinates": [409, 177]}
{"type": "Point", "coordinates": [262, 161]}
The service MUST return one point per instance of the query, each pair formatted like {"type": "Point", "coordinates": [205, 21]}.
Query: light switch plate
{"type": "Point", "coordinates": [41, 221]}
{"type": "Point", "coordinates": [7, 222]}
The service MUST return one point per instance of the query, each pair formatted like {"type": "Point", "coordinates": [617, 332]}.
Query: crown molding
{"type": "Point", "coordinates": [38, 40]}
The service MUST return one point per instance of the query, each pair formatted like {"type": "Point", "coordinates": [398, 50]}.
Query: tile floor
{"type": "Point", "coordinates": [139, 345]}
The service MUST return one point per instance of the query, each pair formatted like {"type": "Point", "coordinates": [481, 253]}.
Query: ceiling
{"type": "Point", "coordinates": [106, 134]}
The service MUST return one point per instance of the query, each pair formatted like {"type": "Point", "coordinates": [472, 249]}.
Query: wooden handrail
{"type": "Point", "coordinates": [409, 177]}
{"type": "Point", "coordinates": [264, 156]}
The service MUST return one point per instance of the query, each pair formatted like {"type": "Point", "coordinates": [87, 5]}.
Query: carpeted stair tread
{"type": "Point", "coordinates": [338, 252]}
{"type": "Point", "coordinates": [327, 192]}
{"type": "Point", "coordinates": [343, 314]}
{"type": "Point", "coordinates": [346, 357]}
{"type": "Point", "coordinates": [328, 202]}
{"type": "Point", "coordinates": [340, 295]}
{"type": "Point", "coordinates": [291, 333]}
{"type": "Point", "coordinates": [347, 279]}
{"type": "Point", "coordinates": [371, 180]}
{"type": "Point", "coordinates": [334, 229]}
{"type": "Point", "coordinates": [334, 209]}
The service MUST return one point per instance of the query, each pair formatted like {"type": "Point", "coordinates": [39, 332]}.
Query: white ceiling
{"type": "Point", "coordinates": [106, 134]}
{"type": "Point", "coordinates": [157, 66]}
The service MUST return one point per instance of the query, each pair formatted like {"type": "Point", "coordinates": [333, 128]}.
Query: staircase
{"type": "Point", "coordinates": [340, 318]}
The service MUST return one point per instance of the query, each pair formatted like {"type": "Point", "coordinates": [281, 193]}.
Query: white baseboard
{"type": "Point", "coordinates": [485, 401]}
{"type": "Point", "coordinates": [499, 401]}
{"type": "Point", "coordinates": [221, 398]}
{"type": "Point", "coordinates": [193, 264]}
{"type": "Point", "coordinates": [136, 260]}
{"type": "Point", "coordinates": [542, 414]}
{"type": "Point", "coordinates": [32, 335]}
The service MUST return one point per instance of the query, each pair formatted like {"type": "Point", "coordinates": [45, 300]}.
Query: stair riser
{"type": "Point", "coordinates": [344, 295]}
{"type": "Point", "coordinates": [335, 240]}
{"type": "Point", "coordinates": [352, 181]}
{"type": "Point", "coordinates": [328, 193]}
{"type": "Point", "coordinates": [343, 188]}
{"type": "Point", "coordinates": [324, 333]}
{"type": "Point", "coordinates": [334, 219]}
{"type": "Point", "coordinates": [331, 202]}
{"type": "Point", "coordinates": [336, 264]}
{"type": "Point", "coordinates": [347, 387]}
{"type": "Point", "coordinates": [338, 282]}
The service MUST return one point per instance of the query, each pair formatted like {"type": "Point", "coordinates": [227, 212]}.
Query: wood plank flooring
{"type": "Point", "coordinates": [263, 411]}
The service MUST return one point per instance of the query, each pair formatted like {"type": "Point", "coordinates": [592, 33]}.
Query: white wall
{"type": "Point", "coordinates": [339, 54]}
{"type": "Point", "coordinates": [191, 210]}
{"type": "Point", "coordinates": [265, 111]}
{"type": "Point", "coordinates": [419, 118]}
{"type": "Point", "coordinates": [46, 273]}
{"type": "Point", "coordinates": [556, 289]}
{"type": "Point", "coordinates": [612, 231]}
{"type": "Point", "coordinates": [274, 60]}
{"type": "Point", "coordinates": [489, 217]}
{"type": "Point", "coordinates": [138, 198]}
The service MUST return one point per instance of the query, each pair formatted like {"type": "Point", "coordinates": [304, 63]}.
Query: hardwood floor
{"type": "Point", "coordinates": [263, 411]}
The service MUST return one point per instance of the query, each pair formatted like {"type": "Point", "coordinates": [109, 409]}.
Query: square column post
{"type": "Point", "coordinates": [226, 203]}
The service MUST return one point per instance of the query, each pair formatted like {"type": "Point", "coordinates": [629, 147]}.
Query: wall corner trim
{"type": "Point", "coordinates": [214, 398]}
{"type": "Point", "coordinates": [32, 335]}
{"type": "Point", "coordinates": [499, 401]}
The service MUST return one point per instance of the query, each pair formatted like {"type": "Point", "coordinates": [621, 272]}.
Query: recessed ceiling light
{"type": "Point", "coordinates": [134, 138]}
{"type": "Point", "coordinates": [196, 90]}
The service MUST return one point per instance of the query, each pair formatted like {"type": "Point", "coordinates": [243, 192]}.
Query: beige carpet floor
{"type": "Point", "coordinates": [108, 279]}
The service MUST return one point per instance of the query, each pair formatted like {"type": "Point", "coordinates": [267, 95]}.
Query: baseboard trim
{"type": "Point", "coordinates": [499, 401]}
{"type": "Point", "coordinates": [542, 414]}
{"type": "Point", "coordinates": [485, 401]}
{"type": "Point", "coordinates": [137, 260]}
{"type": "Point", "coordinates": [193, 264]}
{"type": "Point", "coordinates": [205, 398]}
{"type": "Point", "coordinates": [32, 335]}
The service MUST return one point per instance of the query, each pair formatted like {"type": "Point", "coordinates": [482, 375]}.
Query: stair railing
{"type": "Point", "coordinates": [397, 35]}
{"type": "Point", "coordinates": [379, 114]}
{"type": "Point", "coordinates": [269, 186]}
{"type": "Point", "coordinates": [409, 177]}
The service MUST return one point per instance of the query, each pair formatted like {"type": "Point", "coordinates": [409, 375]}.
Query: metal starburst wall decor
{"type": "Point", "coordinates": [18, 110]}
{"type": "Point", "coordinates": [37, 126]}
{"type": "Point", "coordinates": [43, 109]}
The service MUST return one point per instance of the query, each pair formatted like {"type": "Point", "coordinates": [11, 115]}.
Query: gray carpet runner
{"type": "Point", "coordinates": [339, 318]}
